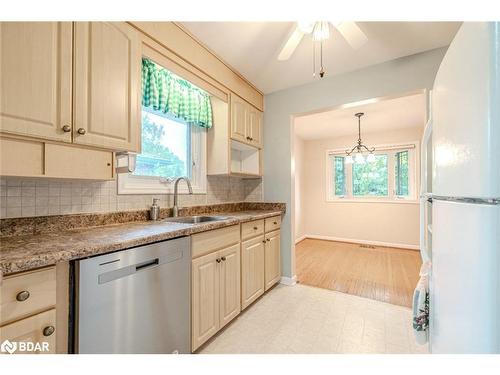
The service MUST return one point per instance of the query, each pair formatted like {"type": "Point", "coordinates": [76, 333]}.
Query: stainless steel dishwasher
{"type": "Point", "coordinates": [135, 301]}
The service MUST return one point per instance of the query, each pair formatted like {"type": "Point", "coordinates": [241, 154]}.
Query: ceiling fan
{"type": "Point", "coordinates": [320, 31]}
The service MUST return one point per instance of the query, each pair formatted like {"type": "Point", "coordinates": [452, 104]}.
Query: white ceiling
{"type": "Point", "coordinates": [252, 48]}
{"type": "Point", "coordinates": [399, 113]}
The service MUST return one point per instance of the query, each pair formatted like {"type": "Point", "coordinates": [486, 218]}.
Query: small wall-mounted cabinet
{"type": "Point", "coordinates": [31, 158]}
{"type": "Point", "coordinates": [246, 122]}
{"type": "Point", "coordinates": [227, 156]}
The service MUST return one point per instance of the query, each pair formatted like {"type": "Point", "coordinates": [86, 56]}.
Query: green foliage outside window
{"type": "Point", "coordinates": [370, 178]}
{"type": "Point", "coordinates": [156, 159]}
{"type": "Point", "coordinates": [401, 173]}
{"type": "Point", "coordinates": [339, 175]}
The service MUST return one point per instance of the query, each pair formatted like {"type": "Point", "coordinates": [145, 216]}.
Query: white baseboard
{"type": "Point", "coordinates": [300, 239]}
{"type": "Point", "coordinates": [364, 242]}
{"type": "Point", "coordinates": [290, 281]}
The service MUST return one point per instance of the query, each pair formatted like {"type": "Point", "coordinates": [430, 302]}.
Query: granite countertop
{"type": "Point", "coordinates": [28, 251]}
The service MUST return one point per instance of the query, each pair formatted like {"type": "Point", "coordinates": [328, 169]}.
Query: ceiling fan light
{"type": "Point", "coordinates": [370, 158]}
{"type": "Point", "coordinates": [305, 26]}
{"type": "Point", "coordinates": [348, 159]}
{"type": "Point", "coordinates": [321, 31]}
{"type": "Point", "coordinates": [359, 158]}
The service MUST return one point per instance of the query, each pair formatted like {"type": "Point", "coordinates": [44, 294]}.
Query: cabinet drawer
{"type": "Point", "coordinates": [206, 242]}
{"type": "Point", "coordinates": [272, 223]}
{"type": "Point", "coordinates": [28, 293]}
{"type": "Point", "coordinates": [37, 329]}
{"type": "Point", "coordinates": [74, 162]}
{"type": "Point", "coordinates": [252, 229]}
{"type": "Point", "coordinates": [21, 158]}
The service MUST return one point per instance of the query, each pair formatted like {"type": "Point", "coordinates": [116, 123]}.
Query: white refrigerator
{"type": "Point", "coordinates": [464, 254]}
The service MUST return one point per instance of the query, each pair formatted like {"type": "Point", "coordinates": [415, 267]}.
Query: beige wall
{"type": "Point", "coordinates": [389, 223]}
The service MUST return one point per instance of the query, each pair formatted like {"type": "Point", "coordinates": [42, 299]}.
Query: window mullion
{"type": "Point", "coordinates": [391, 175]}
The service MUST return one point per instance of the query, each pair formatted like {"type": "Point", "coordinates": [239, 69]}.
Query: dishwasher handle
{"type": "Point", "coordinates": [106, 277]}
{"type": "Point", "coordinates": [147, 264]}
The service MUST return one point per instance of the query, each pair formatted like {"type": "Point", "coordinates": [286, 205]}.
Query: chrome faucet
{"type": "Point", "coordinates": [175, 209]}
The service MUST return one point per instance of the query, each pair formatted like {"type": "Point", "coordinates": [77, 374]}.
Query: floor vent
{"type": "Point", "coordinates": [367, 246]}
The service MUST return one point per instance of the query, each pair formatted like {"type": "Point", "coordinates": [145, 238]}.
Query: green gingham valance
{"type": "Point", "coordinates": [165, 92]}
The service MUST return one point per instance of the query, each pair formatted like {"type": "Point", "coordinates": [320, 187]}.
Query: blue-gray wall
{"type": "Point", "coordinates": [391, 78]}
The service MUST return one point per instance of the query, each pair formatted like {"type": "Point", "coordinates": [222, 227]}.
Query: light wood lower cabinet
{"type": "Point", "coordinates": [272, 262]}
{"type": "Point", "coordinates": [252, 270]}
{"type": "Point", "coordinates": [215, 292]}
{"type": "Point", "coordinates": [205, 299]}
{"type": "Point", "coordinates": [34, 310]}
{"type": "Point", "coordinates": [37, 331]}
{"type": "Point", "coordinates": [230, 287]}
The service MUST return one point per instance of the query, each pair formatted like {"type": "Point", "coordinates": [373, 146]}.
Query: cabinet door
{"type": "Point", "coordinates": [35, 71]}
{"type": "Point", "coordinates": [230, 284]}
{"type": "Point", "coordinates": [107, 85]}
{"type": "Point", "coordinates": [252, 270]}
{"type": "Point", "coordinates": [255, 127]}
{"type": "Point", "coordinates": [272, 264]}
{"type": "Point", "coordinates": [239, 119]}
{"type": "Point", "coordinates": [205, 299]}
{"type": "Point", "coordinates": [38, 329]}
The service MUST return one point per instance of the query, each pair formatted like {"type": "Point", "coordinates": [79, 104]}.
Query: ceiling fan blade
{"type": "Point", "coordinates": [352, 33]}
{"type": "Point", "coordinates": [291, 44]}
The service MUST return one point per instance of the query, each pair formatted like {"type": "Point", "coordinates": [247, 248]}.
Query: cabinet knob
{"type": "Point", "coordinates": [254, 228]}
{"type": "Point", "coordinates": [275, 222]}
{"type": "Point", "coordinates": [23, 296]}
{"type": "Point", "coordinates": [218, 260]}
{"type": "Point", "coordinates": [248, 138]}
{"type": "Point", "coordinates": [66, 128]}
{"type": "Point", "coordinates": [81, 131]}
{"type": "Point", "coordinates": [49, 330]}
{"type": "Point", "coordinates": [223, 259]}
{"type": "Point", "coordinates": [264, 241]}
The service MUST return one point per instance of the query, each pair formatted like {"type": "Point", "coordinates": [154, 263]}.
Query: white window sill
{"type": "Point", "coordinates": [384, 201]}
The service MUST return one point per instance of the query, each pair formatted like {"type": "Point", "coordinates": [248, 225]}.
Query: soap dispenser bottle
{"type": "Point", "coordinates": [154, 211]}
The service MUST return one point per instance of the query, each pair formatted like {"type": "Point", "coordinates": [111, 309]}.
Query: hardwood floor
{"type": "Point", "coordinates": [382, 273]}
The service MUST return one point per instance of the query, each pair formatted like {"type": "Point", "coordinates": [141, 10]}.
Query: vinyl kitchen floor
{"type": "Point", "coordinates": [304, 319]}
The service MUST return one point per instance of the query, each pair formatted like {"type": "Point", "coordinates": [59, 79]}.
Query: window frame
{"type": "Point", "coordinates": [390, 150]}
{"type": "Point", "coordinates": [129, 183]}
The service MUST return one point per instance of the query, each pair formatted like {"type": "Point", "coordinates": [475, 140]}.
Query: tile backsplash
{"type": "Point", "coordinates": [24, 197]}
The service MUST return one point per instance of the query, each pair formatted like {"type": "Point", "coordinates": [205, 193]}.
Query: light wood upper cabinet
{"type": "Point", "coordinates": [35, 71]}
{"type": "Point", "coordinates": [239, 119]}
{"type": "Point", "coordinates": [107, 85]}
{"type": "Point", "coordinates": [272, 262]}
{"type": "Point", "coordinates": [230, 287]}
{"type": "Point", "coordinates": [252, 270]}
{"type": "Point", "coordinates": [205, 298]}
{"type": "Point", "coordinates": [246, 122]}
{"type": "Point", "coordinates": [255, 127]}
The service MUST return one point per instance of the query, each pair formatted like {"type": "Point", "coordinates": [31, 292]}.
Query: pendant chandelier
{"type": "Point", "coordinates": [357, 150]}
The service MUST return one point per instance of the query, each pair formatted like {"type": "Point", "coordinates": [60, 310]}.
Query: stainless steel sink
{"type": "Point", "coordinates": [195, 219]}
